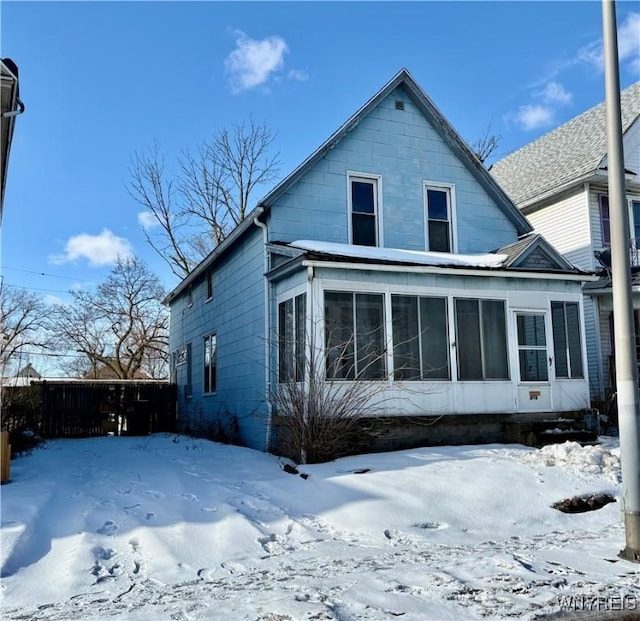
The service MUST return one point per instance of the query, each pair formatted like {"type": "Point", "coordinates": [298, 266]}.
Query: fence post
{"type": "Point", "coordinates": [5, 456]}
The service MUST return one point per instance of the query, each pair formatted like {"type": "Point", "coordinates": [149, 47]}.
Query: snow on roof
{"type": "Point", "coordinates": [396, 255]}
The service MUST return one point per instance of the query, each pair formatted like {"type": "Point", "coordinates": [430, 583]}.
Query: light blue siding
{"type": "Point", "coordinates": [236, 316]}
{"type": "Point", "coordinates": [405, 150]}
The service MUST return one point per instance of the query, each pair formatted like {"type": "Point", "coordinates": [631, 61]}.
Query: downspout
{"type": "Point", "coordinates": [267, 349]}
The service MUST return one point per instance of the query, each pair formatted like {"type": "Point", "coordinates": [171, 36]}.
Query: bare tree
{"type": "Point", "coordinates": [486, 145]}
{"type": "Point", "coordinates": [122, 326]}
{"type": "Point", "coordinates": [22, 325]}
{"type": "Point", "coordinates": [191, 213]}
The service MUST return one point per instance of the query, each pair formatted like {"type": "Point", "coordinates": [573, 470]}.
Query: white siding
{"type": "Point", "coordinates": [566, 226]}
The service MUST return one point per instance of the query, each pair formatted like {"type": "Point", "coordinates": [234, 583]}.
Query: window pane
{"type": "Point", "coordinates": [362, 197]}
{"type": "Point", "coordinates": [364, 230]}
{"type": "Point", "coordinates": [604, 220]}
{"type": "Point", "coordinates": [189, 385]}
{"type": "Point", "coordinates": [406, 343]}
{"type": "Point", "coordinates": [531, 330]}
{"type": "Point", "coordinates": [533, 365]}
{"type": "Point", "coordinates": [439, 236]}
{"type": "Point", "coordinates": [286, 341]}
{"type": "Point", "coordinates": [339, 337]}
{"type": "Point", "coordinates": [300, 338]}
{"type": "Point", "coordinates": [494, 337]}
{"type": "Point", "coordinates": [559, 339]}
{"type": "Point", "coordinates": [214, 363]}
{"type": "Point", "coordinates": [437, 204]}
{"type": "Point", "coordinates": [207, 364]}
{"type": "Point", "coordinates": [370, 336]}
{"type": "Point", "coordinates": [573, 337]}
{"type": "Point", "coordinates": [468, 339]}
{"type": "Point", "coordinates": [435, 340]}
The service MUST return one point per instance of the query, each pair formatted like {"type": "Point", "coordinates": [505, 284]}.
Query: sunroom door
{"type": "Point", "coordinates": [534, 380]}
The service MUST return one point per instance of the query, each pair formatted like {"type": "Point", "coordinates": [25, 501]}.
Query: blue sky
{"type": "Point", "coordinates": [102, 80]}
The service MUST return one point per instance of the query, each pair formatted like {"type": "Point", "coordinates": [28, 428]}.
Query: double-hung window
{"type": "Point", "coordinates": [208, 285]}
{"type": "Point", "coordinates": [291, 339]}
{"type": "Point", "coordinates": [532, 347]}
{"type": "Point", "coordinates": [567, 343]}
{"type": "Point", "coordinates": [420, 338]}
{"type": "Point", "coordinates": [605, 225]}
{"type": "Point", "coordinates": [481, 339]}
{"type": "Point", "coordinates": [363, 205]}
{"type": "Point", "coordinates": [439, 215]}
{"type": "Point", "coordinates": [354, 335]}
{"type": "Point", "coordinates": [210, 363]}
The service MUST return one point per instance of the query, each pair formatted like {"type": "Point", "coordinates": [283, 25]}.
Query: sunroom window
{"type": "Point", "coordinates": [354, 335]}
{"type": "Point", "coordinates": [532, 347]}
{"type": "Point", "coordinates": [291, 339]}
{"type": "Point", "coordinates": [567, 343]}
{"type": "Point", "coordinates": [481, 339]}
{"type": "Point", "coordinates": [420, 338]}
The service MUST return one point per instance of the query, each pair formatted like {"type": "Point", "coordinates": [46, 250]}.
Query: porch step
{"type": "Point", "coordinates": [558, 436]}
{"type": "Point", "coordinates": [556, 430]}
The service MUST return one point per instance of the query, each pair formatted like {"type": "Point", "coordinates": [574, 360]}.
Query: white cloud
{"type": "Point", "coordinates": [533, 116]}
{"type": "Point", "coordinates": [298, 75]}
{"type": "Point", "coordinates": [99, 250]}
{"type": "Point", "coordinates": [147, 220]}
{"type": "Point", "coordinates": [629, 41]}
{"type": "Point", "coordinates": [555, 93]}
{"type": "Point", "coordinates": [628, 47]}
{"type": "Point", "coordinates": [253, 62]}
{"type": "Point", "coordinates": [53, 300]}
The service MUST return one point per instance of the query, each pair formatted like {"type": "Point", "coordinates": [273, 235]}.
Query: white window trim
{"type": "Point", "coordinates": [453, 228]}
{"type": "Point", "coordinates": [354, 176]}
{"type": "Point", "coordinates": [205, 338]}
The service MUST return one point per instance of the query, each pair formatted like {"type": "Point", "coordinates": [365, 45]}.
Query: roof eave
{"type": "Point", "coordinates": [218, 251]}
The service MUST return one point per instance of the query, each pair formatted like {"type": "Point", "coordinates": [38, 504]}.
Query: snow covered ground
{"type": "Point", "coordinates": [170, 527]}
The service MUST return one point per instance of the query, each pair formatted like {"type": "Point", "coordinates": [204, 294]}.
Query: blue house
{"type": "Point", "coordinates": [391, 255]}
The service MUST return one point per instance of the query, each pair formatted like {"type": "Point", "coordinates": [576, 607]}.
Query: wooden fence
{"type": "Point", "coordinates": [96, 408]}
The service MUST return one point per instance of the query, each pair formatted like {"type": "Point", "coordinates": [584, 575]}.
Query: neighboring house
{"type": "Point", "coordinates": [23, 377]}
{"type": "Point", "coordinates": [105, 372]}
{"type": "Point", "coordinates": [394, 252]}
{"type": "Point", "coordinates": [559, 181]}
{"type": "Point", "coordinates": [10, 107]}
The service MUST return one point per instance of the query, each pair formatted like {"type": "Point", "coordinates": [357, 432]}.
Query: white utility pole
{"type": "Point", "coordinates": [624, 334]}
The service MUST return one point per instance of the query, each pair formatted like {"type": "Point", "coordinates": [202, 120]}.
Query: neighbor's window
{"type": "Point", "coordinates": [567, 344]}
{"type": "Point", "coordinates": [363, 198]}
{"type": "Point", "coordinates": [354, 335]}
{"type": "Point", "coordinates": [481, 339]}
{"type": "Point", "coordinates": [208, 284]}
{"type": "Point", "coordinates": [210, 363]}
{"type": "Point", "coordinates": [532, 347]}
{"type": "Point", "coordinates": [438, 209]}
{"type": "Point", "coordinates": [291, 339]}
{"type": "Point", "coordinates": [420, 338]}
{"type": "Point", "coordinates": [605, 225]}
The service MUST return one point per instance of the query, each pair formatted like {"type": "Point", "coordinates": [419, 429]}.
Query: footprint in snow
{"type": "Point", "coordinates": [431, 525]}
{"type": "Point", "coordinates": [191, 497]}
{"type": "Point", "coordinates": [154, 494]}
{"type": "Point", "coordinates": [108, 528]}
{"type": "Point", "coordinates": [150, 515]}
{"type": "Point", "coordinates": [206, 574]}
{"type": "Point", "coordinates": [233, 568]}
{"type": "Point", "coordinates": [103, 553]}
{"type": "Point", "coordinates": [209, 509]}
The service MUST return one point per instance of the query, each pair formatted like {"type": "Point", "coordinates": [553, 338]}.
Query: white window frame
{"type": "Point", "coordinates": [450, 188]}
{"type": "Point", "coordinates": [376, 180]}
{"type": "Point", "coordinates": [520, 347]}
{"type": "Point", "coordinates": [207, 339]}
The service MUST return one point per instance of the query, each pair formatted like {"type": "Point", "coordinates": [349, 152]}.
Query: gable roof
{"type": "Point", "coordinates": [533, 251]}
{"type": "Point", "coordinates": [444, 129]}
{"type": "Point", "coordinates": [440, 124]}
{"type": "Point", "coordinates": [564, 156]}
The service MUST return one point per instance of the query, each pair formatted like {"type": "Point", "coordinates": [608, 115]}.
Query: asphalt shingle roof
{"type": "Point", "coordinates": [566, 154]}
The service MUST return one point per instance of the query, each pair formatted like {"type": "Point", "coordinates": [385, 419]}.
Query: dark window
{"type": "Point", "coordinates": [604, 220]}
{"type": "Point", "coordinates": [291, 339]}
{"type": "Point", "coordinates": [364, 212]}
{"type": "Point", "coordinates": [532, 348]}
{"type": "Point", "coordinates": [481, 339]}
{"type": "Point", "coordinates": [208, 283]}
{"type": "Point", "coordinates": [354, 335]}
{"type": "Point", "coordinates": [567, 344]}
{"type": "Point", "coordinates": [190, 295]}
{"type": "Point", "coordinates": [439, 219]}
{"type": "Point", "coordinates": [420, 338]}
{"type": "Point", "coordinates": [188, 389]}
{"type": "Point", "coordinates": [210, 363]}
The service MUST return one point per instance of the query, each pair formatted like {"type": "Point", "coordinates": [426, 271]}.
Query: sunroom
{"type": "Point", "coordinates": [444, 334]}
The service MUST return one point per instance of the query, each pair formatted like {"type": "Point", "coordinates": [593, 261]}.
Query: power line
{"type": "Point", "coordinates": [17, 269]}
